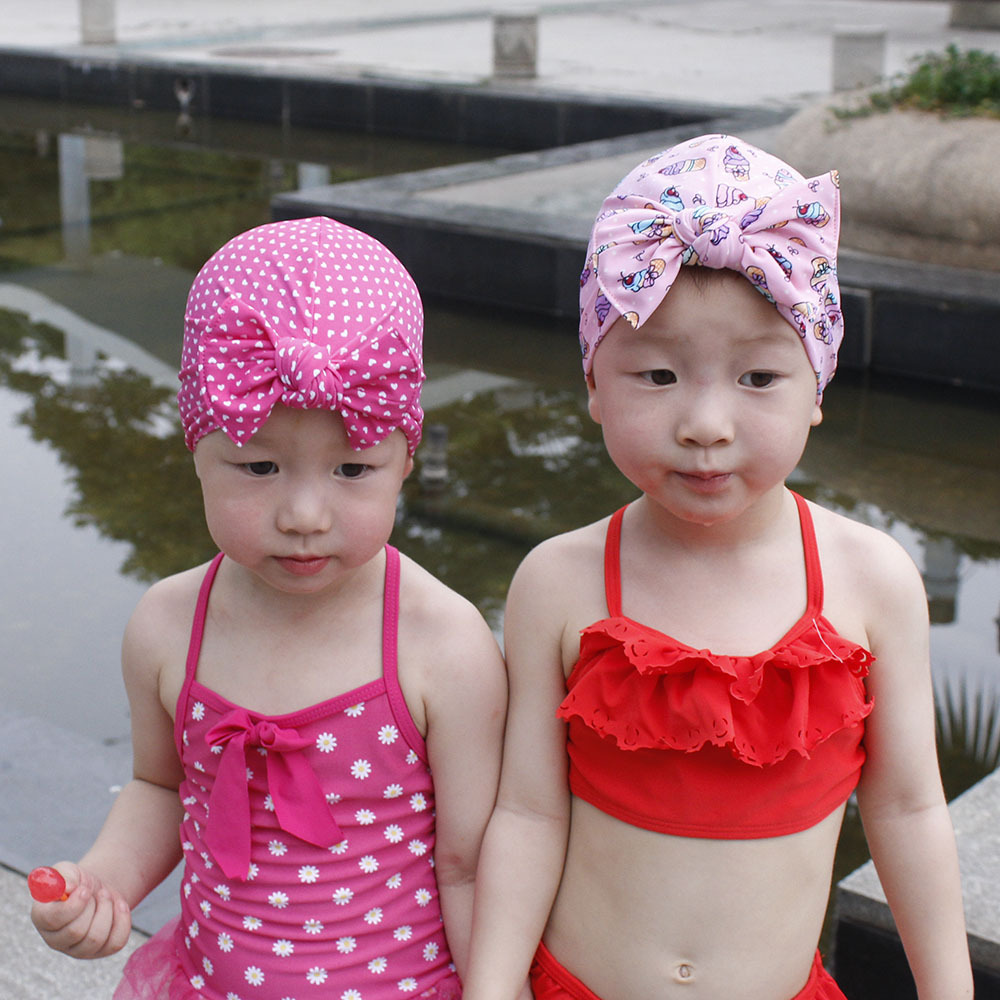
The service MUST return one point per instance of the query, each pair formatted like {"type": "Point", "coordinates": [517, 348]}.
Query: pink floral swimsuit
{"type": "Point", "coordinates": [328, 812]}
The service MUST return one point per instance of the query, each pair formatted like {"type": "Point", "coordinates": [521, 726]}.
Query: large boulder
{"type": "Point", "coordinates": [914, 185]}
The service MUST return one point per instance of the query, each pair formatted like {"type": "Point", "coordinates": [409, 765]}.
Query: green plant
{"type": "Point", "coordinates": [968, 734]}
{"type": "Point", "coordinates": [958, 83]}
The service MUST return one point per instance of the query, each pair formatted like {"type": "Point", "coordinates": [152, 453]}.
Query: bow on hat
{"type": "Point", "coordinates": [372, 379]}
{"type": "Point", "coordinates": [299, 803]}
{"type": "Point", "coordinates": [785, 243]}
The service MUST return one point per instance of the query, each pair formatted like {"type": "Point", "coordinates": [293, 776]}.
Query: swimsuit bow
{"type": "Point", "coordinates": [299, 803]}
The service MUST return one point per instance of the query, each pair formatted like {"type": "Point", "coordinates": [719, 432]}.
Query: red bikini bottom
{"type": "Point", "coordinates": [550, 981]}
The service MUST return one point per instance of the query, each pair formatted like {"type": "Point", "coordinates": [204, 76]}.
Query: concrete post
{"type": "Point", "coordinates": [515, 43]}
{"type": "Point", "coordinates": [975, 14]}
{"type": "Point", "coordinates": [858, 57]}
{"type": "Point", "coordinates": [97, 22]}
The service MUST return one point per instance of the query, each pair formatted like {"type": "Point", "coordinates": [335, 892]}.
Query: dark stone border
{"type": "Point", "coordinates": [489, 115]}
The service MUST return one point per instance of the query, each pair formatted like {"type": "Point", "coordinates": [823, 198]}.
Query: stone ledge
{"type": "Point", "coordinates": [863, 924]}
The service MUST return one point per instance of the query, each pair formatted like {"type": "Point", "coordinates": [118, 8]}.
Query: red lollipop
{"type": "Point", "coordinates": [47, 885]}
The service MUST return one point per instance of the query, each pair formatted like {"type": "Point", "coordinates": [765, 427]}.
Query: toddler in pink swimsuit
{"type": "Point", "coordinates": [291, 699]}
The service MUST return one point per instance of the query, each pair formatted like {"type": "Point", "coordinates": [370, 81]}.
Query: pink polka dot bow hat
{"type": "Point", "coordinates": [309, 313]}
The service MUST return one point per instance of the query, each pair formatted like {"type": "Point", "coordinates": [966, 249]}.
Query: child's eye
{"type": "Point", "coordinates": [660, 376]}
{"type": "Point", "coordinates": [261, 468]}
{"type": "Point", "coordinates": [351, 470]}
{"type": "Point", "coordinates": [757, 380]}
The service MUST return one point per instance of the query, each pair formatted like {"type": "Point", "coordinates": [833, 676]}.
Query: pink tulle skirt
{"type": "Point", "coordinates": [154, 972]}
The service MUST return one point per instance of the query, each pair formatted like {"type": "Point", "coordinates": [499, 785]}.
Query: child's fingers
{"type": "Point", "coordinates": [91, 923]}
{"type": "Point", "coordinates": [98, 930]}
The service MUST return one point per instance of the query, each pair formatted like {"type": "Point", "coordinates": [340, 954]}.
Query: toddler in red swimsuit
{"type": "Point", "coordinates": [699, 682]}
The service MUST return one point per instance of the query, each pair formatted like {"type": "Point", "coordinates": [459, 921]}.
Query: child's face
{"type": "Point", "coordinates": [296, 505]}
{"type": "Point", "coordinates": [708, 405]}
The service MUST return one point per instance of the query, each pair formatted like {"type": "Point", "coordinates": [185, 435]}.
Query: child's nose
{"type": "Point", "coordinates": [305, 509]}
{"type": "Point", "coordinates": [706, 421]}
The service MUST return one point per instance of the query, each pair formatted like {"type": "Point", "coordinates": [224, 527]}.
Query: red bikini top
{"type": "Point", "coordinates": [687, 742]}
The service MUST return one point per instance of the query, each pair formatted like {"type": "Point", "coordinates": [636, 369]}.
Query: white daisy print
{"type": "Point", "coordinates": [198, 982]}
{"type": "Point", "coordinates": [340, 848]}
{"type": "Point", "coordinates": [308, 874]}
{"type": "Point", "coordinates": [223, 891]}
{"type": "Point", "coordinates": [254, 975]}
{"type": "Point", "coordinates": [365, 817]}
{"type": "Point", "coordinates": [269, 803]}
{"type": "Point", "coordinates": [417, 847]}
{"type": "Point", "coordinates": [252, 872]}
{"type": "Point", "coordinates": [355, 710]}
{"type": "Point", "coordinates": [313, 926]}
{"type": "Point", "coordinates": [193, 929]}
{"type": "Point", "coordinates": [418, 802]}
{"type": "Point", "coordinates": [368, 864]}
{"type": "Point", "coordinates": [361, 769]}
{"type": "Point", "coordinates": [333, 798]}
{"type": "Point", "coordinates": [378, 965]}
{"type": "Point", "coordinates": [206, 964]}
{"type": "Point", "coordinates": [374, 915]}
{"type": "Point", "coordinates": [252, 923]}
{"type": "Point", "coordinates": [283, 948]}
{"type": "Point", "coordinates": [350, 995]}
{"type": "Point", "coordinates": [343, 896]}
{"type": "Point", "coordinates": [326, 742]}
{"type": "Point", "coordinates": [407, 985]}
{"type": "Point", "coordinates": [225, 942]}
{"type": "Point", "coordinates": [388, 735]}
{"type": "Point", "coordinates": [412, 758]}
{"type": "Point", "coordinates": [279, 900]}
{"type": "Point", "coordinates": [316, 975]}
{"type": "Point", "coordinates": [394, 881]}
{"type": "Point", "coordinates": [392, 792]}
{"type": "Point", "coordinates": [431, 951]}
{"type": "Point", "coordinates": [277, 848]}
{"type": "Point", "coordinates": [422, 896]}
{"type": "Point", "coordinates": [403, 933]}
{"type": "Point", "coordinates": [198, 766]}
{"type": "Point", "coordinates": [394, 833]}
{"type": "Point", "coordinates": [206, 907]}
{"type": "Point", "coordinates": [346, 945]}
{"type": "Point", "coordinates": [198, 711]}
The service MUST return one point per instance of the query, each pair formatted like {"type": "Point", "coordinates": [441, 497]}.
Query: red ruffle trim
{"type": "Point", "coordinates": [646, 690]}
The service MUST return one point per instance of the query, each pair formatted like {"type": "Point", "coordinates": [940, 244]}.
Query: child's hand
{"type": "Point", "coordinates": [93, 921]}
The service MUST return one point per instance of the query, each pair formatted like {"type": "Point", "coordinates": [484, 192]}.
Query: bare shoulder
{"type": "Point", "coordinates": [574, 555]}
{"type": "Point", "coordinates": [448, 656]}
{"type": "Point", "coordinates": [430, 607]}
{"type": "Point", "coordinates": [868, 573]}
{"type": "Point", "coordinates": [159, 628]}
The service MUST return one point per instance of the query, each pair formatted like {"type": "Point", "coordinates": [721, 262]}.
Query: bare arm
{"type": "Point", "coordinates": [465, 706]}
{"type": "Point", "coordinates": [902, 804]}
{"type": "Point", "coordinates": [138, 844]}
{"type": "Point", "coordinates": [525, 844]}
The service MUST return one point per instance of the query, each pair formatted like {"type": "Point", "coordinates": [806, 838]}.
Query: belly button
{"type": "Point", "coordinates": [684, 972]}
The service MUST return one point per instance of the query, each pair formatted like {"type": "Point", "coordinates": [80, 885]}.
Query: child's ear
{"type": "Point", "coordinates": [593, 403]}
{"type": "Point", "coordinates": [408, 466]}
{"type": "Point", "coordinates": [817, 417]}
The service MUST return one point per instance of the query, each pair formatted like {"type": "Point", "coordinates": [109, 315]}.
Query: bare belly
{"type": "Point", "coordinates": [646, 916]}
